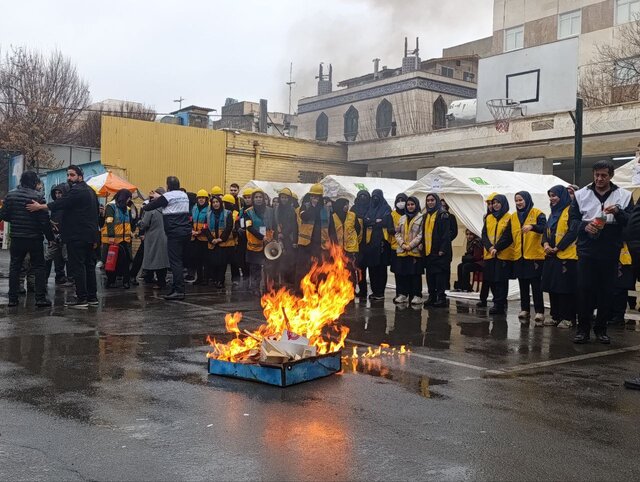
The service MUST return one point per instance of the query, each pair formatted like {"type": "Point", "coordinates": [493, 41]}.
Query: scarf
{"type": "Point", "coordinates": [556, 211]}
{"type": "Point", "coordinates": [362, 203]}
{"type": "Point", "coordinates": [379, 207]}
{"type": "Point", "coordinates": [502, 199]}
{"type": "Point", "coordinates": [415, 212]}
{"type": "Point", "coordinates": [338, 208]}
{"type": "Point", "coordinates": [435, 208]}
{"type": "Point", "coordinates": [401, 197]}
{"type": "Point", "coordinates": [528, 204]}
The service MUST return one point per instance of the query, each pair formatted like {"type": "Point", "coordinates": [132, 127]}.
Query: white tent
{"type": "Point", "coordinates": [272, 189]}
{"type": "Point", "coordinates": [348, 186]}
{"type": "Point", "coordinates": [465, 190]}
{"type": "Point", "coordinates": [628, 177]}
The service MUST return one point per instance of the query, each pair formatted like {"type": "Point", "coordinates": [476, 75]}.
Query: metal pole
{"type": "Point", "coordinates": [577, 153]}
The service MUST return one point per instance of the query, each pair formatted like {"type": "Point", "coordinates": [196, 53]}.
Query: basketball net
{"type": "Point", "coordinates": [503, 110]}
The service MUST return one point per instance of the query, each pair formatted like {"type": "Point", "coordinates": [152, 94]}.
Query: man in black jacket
{"type": "Point", "coordinates": [79, 233]}
{"type": "Point", "coordinates": [27, 230]}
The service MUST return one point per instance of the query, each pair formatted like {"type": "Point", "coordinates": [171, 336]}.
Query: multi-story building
{"type": "Point", "coordinates": [245, 116]}
{"type": "Point", "coordinates": [388, 102]}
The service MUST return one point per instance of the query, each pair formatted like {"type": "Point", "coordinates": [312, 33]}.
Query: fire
{"type": "Point", "coordinates": [383, 350]}
{"type": "Point", "coordinates": [326, 291]}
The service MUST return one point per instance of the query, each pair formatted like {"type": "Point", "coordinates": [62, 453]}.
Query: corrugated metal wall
{"type": "Point", "coordinates": [148, 152]}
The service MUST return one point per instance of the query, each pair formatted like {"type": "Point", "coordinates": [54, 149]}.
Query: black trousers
{"type": "Point", "coordinates": [484, 291]}
{"type": "Point", "coordinates": [409, 285]}
{"type": "Point", "coordinates": [54, 257]}
{"type": "Point", "coordinates": [464, 275]}
{"type": "Point", "coordinates": [525, 296]}
{"type": "Point", "coordinates": [20, 247]}
{"type": "Point", "coordinates": [377, 277]}
{"type": "Point", "coordinates": [437, 284]}
{"type": "Point", "coordinates": [136, 264]}
{"type": "Point", "coordinates": [123, 266]}
{"type": "Point", "coordinates": [81, 259]}
{"type": "Point", "coordinates": [563, 306]}
{"type": "Point", "coordinates": [500, 290]}
{"type": "Point", "coordinates": [255, 276]}
{"type": "Point", "coordinates": [176, 247]}
{"type": "Point", "coordinates": [596, 284]}
{"type": "Point", "coordinates": [621, 299]}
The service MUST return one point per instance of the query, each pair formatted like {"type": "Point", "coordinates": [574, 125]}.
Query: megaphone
{"type": "Point", "coordinates": [273, 250]}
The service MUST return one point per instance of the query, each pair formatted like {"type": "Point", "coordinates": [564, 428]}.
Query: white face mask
{"type": "Point", "coordinates": [401, 204]}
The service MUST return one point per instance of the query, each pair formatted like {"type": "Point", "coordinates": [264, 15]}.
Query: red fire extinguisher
{"type": "Point", "coordinates": [112, 258]}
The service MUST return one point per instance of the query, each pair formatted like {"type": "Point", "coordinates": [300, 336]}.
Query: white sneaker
{"type": "Point", "coordinates": [400, 299]}
{"type": "Point", "coordinates": [417, 300]}
{"type": "Point", "coordinates": [524, 315]}
{"type": "Point", "coordinates": [539, 317]}
{"type": "Point", "coordinates": [99, 264]}
{"type": "Point", "coordinates": [565, 324]}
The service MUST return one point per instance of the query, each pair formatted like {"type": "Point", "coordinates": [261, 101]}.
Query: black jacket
{"type": "Point", "coordinates": [23, 223]}
{"type": "Point", "coordinates": [81, 208]}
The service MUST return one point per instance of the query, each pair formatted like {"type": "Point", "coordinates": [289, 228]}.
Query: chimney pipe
{"type": "Point", "coordinates": [406, 46]}
{"type": "Point", "coordinates": [262, 119]}
{"type": "Point", "coordinates": [330, 72]}
{"type": "Point", "coordinates": [376, 67]}
{"type": "Point", "coordinates": [417, 46]}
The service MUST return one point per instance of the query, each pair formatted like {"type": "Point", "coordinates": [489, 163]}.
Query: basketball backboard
{"type": "Point", "coordinates": [543, 79]}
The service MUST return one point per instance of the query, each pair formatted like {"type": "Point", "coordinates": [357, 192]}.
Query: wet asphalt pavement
{"type": "Point", "coordinates": [121, 392]}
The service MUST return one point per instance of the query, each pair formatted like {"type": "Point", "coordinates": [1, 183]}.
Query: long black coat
{"type": "Point", "coordinates": [81, 211]}
{"type": "Point", "coordinates": [440, 242]}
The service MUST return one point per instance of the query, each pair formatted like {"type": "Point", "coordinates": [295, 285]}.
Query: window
{"type": "Point", "coordinates": [569, 24]}
{"type": "Point", "coordinates": [627, 71]}
{"type": "Point", "coordinates": [439, 114]}
{"type": "Point", "coordinates": [468, 76]}
{"type": "Point", "coordinates": [322, 127]}
{"type": "Point", "coordinates": [627, 10]}
{"type": "Point", "coordinates": [384, 118]}
{"type": "Point", "coordinates": [351, 124]}
{"type": "Point", "coordinates": [514, 38]}
{"type": "Point", "coordinates": [446, 71]}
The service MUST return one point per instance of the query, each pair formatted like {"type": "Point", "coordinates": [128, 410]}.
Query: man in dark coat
{"type": "Point", "coordinates": [27, 230]}
{"type": "Point", "coordinates": [80, 234]}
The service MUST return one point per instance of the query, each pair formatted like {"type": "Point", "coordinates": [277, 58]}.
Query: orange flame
{"type": "Point", "coordinates": [326, 291]}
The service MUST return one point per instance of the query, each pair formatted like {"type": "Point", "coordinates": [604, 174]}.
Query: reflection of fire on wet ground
{"type": "Point", "coordinates": [390, 363]}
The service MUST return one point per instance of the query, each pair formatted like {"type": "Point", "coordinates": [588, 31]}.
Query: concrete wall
{"type": "Point", "coordinates": [482, 48]}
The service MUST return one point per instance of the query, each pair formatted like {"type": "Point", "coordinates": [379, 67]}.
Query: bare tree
{"type": "Point", "coordinates": [614, 77]}
{"type": "Point", "coordinates": [90, 130]}
{"type": "Point", "coordinates": [40, 101]}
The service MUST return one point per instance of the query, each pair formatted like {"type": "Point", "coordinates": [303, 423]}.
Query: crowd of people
{"type": "Point", "coordinates": [579, 255]}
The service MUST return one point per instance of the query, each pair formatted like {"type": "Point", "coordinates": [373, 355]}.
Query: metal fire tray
{"type": "Point", "coordinates": [284, 375]}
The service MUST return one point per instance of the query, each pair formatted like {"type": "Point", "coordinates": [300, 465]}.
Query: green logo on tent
{"type": "Point", "coordinates": [360, 186]}
{"type": "Point", "coordinates": [479, 181]}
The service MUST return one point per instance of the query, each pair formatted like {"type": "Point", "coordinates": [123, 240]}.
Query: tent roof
{"type": "Point", "coordinates": [628, 175]}
{"type": "Point", "coordinates": [108, 183]}
{"type": "Point", "coordinates": [465, 190]}
{"type": "Point", "coordinates": [348, 186]}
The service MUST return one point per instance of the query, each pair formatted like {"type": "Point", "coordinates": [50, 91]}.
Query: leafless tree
{"type": "Point", "coordinates": [614, 77]}
{"type": "Point", "coordinates": [90, 130]}
{"type": "Point", "coordinates": [40, 101]}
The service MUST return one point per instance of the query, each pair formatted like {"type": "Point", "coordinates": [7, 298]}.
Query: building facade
{"type": "Point", "coordinates": [245, 116]}
{"type": "Point", "coordinates": [388, 102]}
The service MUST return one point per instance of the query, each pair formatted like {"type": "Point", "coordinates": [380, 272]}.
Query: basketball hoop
{"type": "Point", "coordinates": [503, 110]}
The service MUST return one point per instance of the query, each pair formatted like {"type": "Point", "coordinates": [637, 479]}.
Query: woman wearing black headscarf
{"type": "Point", "coordinates": [374, 247]}
{"type": "Point", "coordinates": [409, 254]}
{"type": "Point", "coordinates": [117, 230]}
{"type": "Point", "coordinates": [527, 226]}
{"type": "Point", "coordinates": [220, 242]}
{"type": "Point", "coordinates": [559, 272]}
{"type": "Point", "coordinates": [498, 252]}
{"type": "Point", "coordinates": [437, 251]}
{"type": "Point", "coordinates": [399, 206]}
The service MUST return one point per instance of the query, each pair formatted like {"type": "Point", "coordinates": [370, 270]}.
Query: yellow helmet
{"type": "Point", "coordinates": [216, 191]}
{"type": "Point", "coordinates": [228, 198]}
{"type": "Point", "coordinates": [295, 196]}
{"type": "Point", "coordinates": [317, 190]}
{"type": "Point", "coordinates": [203, 193]}
{"type": "Point", "coordinates": [247, 192]}
{"type": "Point", "coordinates": [256, 191]}
{"type": "Point", "coordinates": [286, 191]}
{"type": "Point", "coordinates": [491, 196]}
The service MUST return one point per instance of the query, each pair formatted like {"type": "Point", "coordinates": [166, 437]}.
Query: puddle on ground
{"type": "Point", "coordinates": [376, 367]}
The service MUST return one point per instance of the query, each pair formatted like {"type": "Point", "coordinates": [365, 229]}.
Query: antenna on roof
{"type": "Point", "coordinates": [179, 101]}
{"type": "Point", "coordinates": [291, 83]}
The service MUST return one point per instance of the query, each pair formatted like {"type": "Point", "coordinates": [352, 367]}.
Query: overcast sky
{"type": "Point", "coordinates": [154, 51]}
